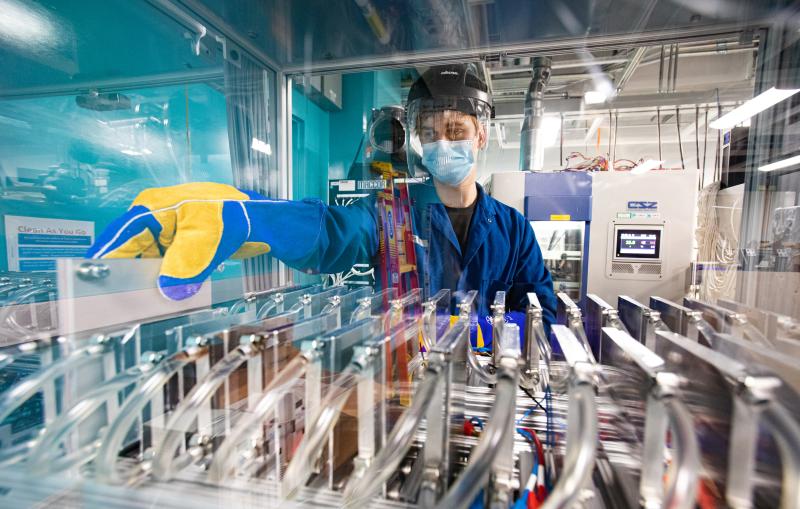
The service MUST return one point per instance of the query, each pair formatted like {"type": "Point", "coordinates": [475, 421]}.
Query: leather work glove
{"type": "Point", "coordinates": [197, 226]}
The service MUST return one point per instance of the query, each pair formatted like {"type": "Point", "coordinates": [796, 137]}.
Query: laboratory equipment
{"type": "Point", "coordinates": [559, 208]}
{"type": "Point", "coordinates": [276, 388]}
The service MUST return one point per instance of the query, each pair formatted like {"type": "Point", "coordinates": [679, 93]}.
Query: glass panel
{"type": "Point", "coordinates": [235, 237]}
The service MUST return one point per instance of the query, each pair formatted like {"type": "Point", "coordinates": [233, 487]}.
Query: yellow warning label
{"type": "Point", "coordinates": [559, 217]}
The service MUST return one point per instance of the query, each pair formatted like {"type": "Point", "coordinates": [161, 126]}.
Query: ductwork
{"type": "Point", "coordinates": [534, 111]}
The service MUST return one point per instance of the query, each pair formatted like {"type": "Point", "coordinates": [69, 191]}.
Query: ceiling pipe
{"type": "Point", "coordinates": [630, 68]}
{"type": "Point", "coordinates": [533, 113]}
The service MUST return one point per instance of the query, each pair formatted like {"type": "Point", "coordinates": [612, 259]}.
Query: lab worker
{"type": "Point", "coordinates": [464, 239]}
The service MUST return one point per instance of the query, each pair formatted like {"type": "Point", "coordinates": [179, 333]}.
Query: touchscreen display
{"type": "Point", "coordinates": [638, 243]}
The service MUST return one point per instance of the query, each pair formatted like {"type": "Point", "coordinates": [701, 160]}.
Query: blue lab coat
{"type": "Point", "coordinates": [501, 252]}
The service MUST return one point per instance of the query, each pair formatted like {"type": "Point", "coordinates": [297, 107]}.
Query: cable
{"type": "Point", "coordinates": [705, 142]}
{"type": "Point", "coordinates": [658, 121]}
{"type": "Point", "coordinates": [697, 136]}
{"type": "Point", "coordinates": [614, 149]}
{"type": "Point", "coordinates": [680, 143]}
{"type": "Point", "coordinates": [533, 398]}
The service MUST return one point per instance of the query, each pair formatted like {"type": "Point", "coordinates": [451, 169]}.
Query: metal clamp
{"type": "Point", "coordinates": [93, 271]}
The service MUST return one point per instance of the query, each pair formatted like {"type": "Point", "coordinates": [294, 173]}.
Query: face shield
{"type": "Point", "coordinates": [447, 137]}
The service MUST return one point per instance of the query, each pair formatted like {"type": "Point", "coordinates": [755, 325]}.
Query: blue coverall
{"type": "Point", "coordinates": [501, 252]}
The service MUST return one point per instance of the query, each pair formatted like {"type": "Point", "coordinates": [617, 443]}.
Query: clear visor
{"type": "Point", "coordinates": [444, 119]}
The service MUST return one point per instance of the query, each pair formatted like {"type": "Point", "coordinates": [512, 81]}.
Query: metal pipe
{"type": "Point", "coordinates": [501, 419]}
{"type": "Point", "coordinates": [630, 67]}
{"type": "Point", "coordinates": [567, 44]}
{"type": "Point", "coordinates": [534, 111]}
{"type": "Point", "coordinates": [675, 69]}
{"type": "Point", "coordinates": [566, 64]}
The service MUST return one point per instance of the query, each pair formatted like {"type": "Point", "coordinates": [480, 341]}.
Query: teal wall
{"type": "Point", "coordinates": [329, 140]}
{"type": "Point", "coordinates": [61, 161]}
{"type": "Point", "coordinates": [310, 151]}
{"type": "Point", "coordinates": [361, 93]}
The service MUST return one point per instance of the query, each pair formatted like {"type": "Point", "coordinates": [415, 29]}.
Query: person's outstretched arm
{"type": "Point", "coordinates": [197, 226]}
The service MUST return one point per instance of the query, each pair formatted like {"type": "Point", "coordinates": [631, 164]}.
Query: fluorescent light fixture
{"type": "Point", "coordinates": [752, 107]}
{"type": "Point", "coordinates": [595, 97]}
{"type": "Point", "coordinates": [645, 166]}
{"type": "Point", "coordinates": [129, 152]}
{"type": "Point", "coordinates": [260, 146]}
{"type": "Point", "coordinates": [777, 165]}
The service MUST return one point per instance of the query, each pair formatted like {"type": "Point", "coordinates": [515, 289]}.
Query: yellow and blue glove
{"type": "Point", "coordinates": [197, 226]}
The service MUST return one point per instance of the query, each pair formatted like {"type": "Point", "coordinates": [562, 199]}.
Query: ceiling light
{"type": "Point", "coordinates": [777, 165]}
{"type": "Point", "coordinates": [645, 166]}
{"type": "Point", "coordinates": [752, 107]}
{"type": "Point", "coordinates": [260, 146]}
{"type": "Point", "coordinates": [594, 97]}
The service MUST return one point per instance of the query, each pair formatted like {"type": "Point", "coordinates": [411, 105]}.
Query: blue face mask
{"type": "Point", "coordinates": [449, 162]}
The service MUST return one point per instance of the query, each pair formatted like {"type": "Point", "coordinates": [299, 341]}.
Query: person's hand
{"type": "Point", "coordinates": [195, 227]}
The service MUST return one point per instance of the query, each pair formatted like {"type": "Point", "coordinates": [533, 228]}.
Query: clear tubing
{"type": "Point", "coordinates": [23, 391]}
{"type": "Point", "coordinates": [579, 466]}
{"type": "Point", "coordinates": [397, 445]}
{"type": "Point", "coordinates": [250, 422]}
{"type": "Point", "coordinates": [186, 411]}
{"type": "Point", "coordinates": [372, 305]}
{"type": "Point", "coordinates": [430, 315]}
{"type": "Point", "coordinates": [183, 416]}
{"type": "Point", "coordinates": [314, 303]}
{"type": "Point", "coordinates": [452, 339]}
{"type": "Point", "coordinates": [615, 322]}
{"type": "Point", "coordinates": [348, 301]}
{"type": "Point", "coordinates": [473, 478]}
{"type": "Point", "coordinates": [265, 310]}
{"type": "Point", "coordinates": [16, 453]}
{"type": "Point", "coordinates": [20, 297]}
{"type": "Point", "coordinates": [241, 304]}
{"type": "Point", "coordinates": [5, 360]}
{"type": "Point", "coordinates": [576, 325]}
{"type": "Point", "coordinates": [786, 432]}
{"type": "Point", "coordinates": [286, 298]}
{"type": "Point", "coordinates": [475, 366]}
{"type": "Point", "coordinates": [397, 308]}
{"type": "Point", "coordinates": [682, 489]}
{"type": "Point", "coordinates": [47, 446]}
{"type": "Point", "coordinates": [311, 446]}
{"type": "Point", "coordinates": [111, 443]}
{"type": "Point", "coordinates": [752, 333]}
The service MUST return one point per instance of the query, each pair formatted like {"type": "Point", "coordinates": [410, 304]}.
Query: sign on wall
{"type": "Point", "coordinates": [34, 243]}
